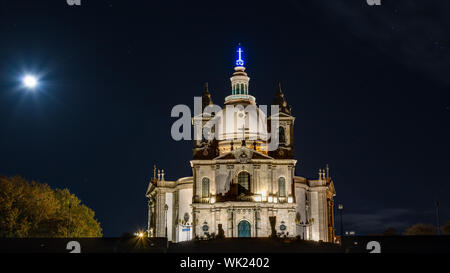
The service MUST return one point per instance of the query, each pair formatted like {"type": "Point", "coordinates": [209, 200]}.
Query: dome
{"type": "Point", "coordinates": [238, 122]}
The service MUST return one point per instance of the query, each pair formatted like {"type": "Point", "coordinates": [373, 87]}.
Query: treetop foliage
{"type": "Point", "coordinates": [33, 209]}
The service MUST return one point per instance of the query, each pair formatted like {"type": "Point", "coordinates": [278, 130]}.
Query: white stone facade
{"type": "Point", "coordinates": [304, 211]}
{"type": "Point", "coordinates": [240, 189]}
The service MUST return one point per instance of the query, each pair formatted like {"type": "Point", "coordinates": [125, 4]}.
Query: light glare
{"type": "Point", "coordinates": [30, 81]}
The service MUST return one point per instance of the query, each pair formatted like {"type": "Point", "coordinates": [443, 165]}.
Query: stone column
{"type": "Point", "coordinates": [271, 179]}
{"type": "Point", "coordinates": [292, 187]}
{"type": "Point", "coordinates": [194, 222]}
{"type": "Point", "coordinates": [230, 223]}
{"type": "Point", "coordinates": [194, 183]}
{"type": "Point", "coordinates": [257, 221]}
{"type": "Point", "coordinates": [254, 187]}
{"type": "Point", "coordinates": [213, 220]}
{"type": "Point", "coordinates": [212, 183]}
{"type": "Point", "coordinates": [161, 217]}
{"type": "Point", "coordinates": [149, 223]}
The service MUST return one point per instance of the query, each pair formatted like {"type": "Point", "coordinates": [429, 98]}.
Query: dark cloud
{"type": "Point", "coordinates": [414, 33]}
{"type": "Point", "coordinates": [378, 221]}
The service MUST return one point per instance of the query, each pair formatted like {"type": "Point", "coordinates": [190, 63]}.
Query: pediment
{"type": "Point", "coordinates": [281, 115]}
{"type": "Point", "coordinates": [229, 155]}
{"type": "Point", "coordinates": [243, 155]}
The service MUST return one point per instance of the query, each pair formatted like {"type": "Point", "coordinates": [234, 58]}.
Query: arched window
{"type": "Point", "coordinates": [282, 187]}
{"type": "Point", "coordinates": [282, 135]}
{"type": "Point", "coordinates": [205, 187]}
{"type": "Point", "coordinates": [244, 183]}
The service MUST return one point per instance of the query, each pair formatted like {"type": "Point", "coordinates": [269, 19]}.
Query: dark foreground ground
{"type": "Point", "coordinates": [354, 244]}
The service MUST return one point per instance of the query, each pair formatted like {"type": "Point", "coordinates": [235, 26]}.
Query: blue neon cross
{"type": "Point", "coordinates": [239, 61]}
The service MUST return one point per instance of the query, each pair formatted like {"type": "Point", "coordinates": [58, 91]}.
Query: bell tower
{"type": "Point", "coordinates": [285, 130]}
{"type": "Point", "coordinates": [204, 148]}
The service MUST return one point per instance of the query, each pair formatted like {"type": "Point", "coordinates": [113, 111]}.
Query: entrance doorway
{"type": "Point", "coordinates": [244, 229]}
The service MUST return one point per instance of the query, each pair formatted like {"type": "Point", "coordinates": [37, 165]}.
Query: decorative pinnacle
{"type": "Point", "coordinates": [154, 173]}
{"type": "Point", "coordinates": [280, 100]}
{"type": "Point", "coordinates": [206, 97]}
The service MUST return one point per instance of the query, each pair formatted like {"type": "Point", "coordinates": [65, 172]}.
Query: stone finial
{"type": "Point", "coordinates": [206, 97]}
{"type": "Point", "coordinates": [280, 100]}
{"type": "Point", "coordinates": [328, 173]}
{"type": "Point", "coordinates": [154, 173]}
{"type": "Point", "coordinates": [321, 174]}
{"type": "Point", "coordinates": [162, 175]}
{"type": "Point", "coordinates": [159, 174]}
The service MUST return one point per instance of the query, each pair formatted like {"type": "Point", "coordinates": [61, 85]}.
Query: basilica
{"type": "Point", "coordinates": [239, 186]}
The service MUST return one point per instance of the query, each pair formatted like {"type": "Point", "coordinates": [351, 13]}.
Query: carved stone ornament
{"type": "Point", "coordinates": [243, 155]}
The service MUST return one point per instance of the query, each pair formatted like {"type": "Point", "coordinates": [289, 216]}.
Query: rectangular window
{"type": "Point", "coordinates": [282, 187]}
{"type": "Point", "coordinates": [205, 187]}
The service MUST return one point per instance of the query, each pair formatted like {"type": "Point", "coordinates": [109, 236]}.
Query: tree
{"type": "Point", "coordinates": [35, 210]}
{"type": "Point", "coordinates": [421, 229]}
{"type": "Point", "coordinates": [390, 232]}
{"type": "Point", "coordinates": [446, 228]}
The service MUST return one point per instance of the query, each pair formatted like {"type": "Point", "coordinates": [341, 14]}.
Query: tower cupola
{"type": "Point", "coordinates": [239, 80]}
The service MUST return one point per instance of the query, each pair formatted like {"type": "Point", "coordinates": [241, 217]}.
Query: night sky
{"type": "Point", "coordinates": [369, 87]}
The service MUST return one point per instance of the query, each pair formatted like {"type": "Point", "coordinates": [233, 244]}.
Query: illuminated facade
{"type": "Point", "coordinates": [239, 187]}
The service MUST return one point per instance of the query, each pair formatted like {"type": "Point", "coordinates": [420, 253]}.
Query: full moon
{"type": "Point", "coordinates": [30, 81]}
